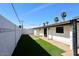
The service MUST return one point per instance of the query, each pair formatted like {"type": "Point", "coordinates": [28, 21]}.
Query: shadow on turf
{"type": "Point", "coordinates": [26, 46]}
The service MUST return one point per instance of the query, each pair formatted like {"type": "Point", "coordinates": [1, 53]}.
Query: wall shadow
{"type": "Point", "coordinates": [26, 46]}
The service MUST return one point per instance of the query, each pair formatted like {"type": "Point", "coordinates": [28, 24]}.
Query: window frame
{"type": "Point", "coordinates": [60, 29]}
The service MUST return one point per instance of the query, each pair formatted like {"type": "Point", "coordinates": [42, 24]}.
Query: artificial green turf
{"type": "Point", "coordinates": [27, 46]}
{"type": "Point", "coordinates": [51, 49]}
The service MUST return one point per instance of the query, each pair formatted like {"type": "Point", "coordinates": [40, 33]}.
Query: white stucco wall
{"type": "Point", "coordinates": [9, 36]}
{"type": "Point", "coordinates": [35, 32]}
{"type": "Point", "coordinates": [39, 32]}
{"type": "Point", "coordinates": [65, 37]}
{"type": "Point", "coordinates": [61, 37]}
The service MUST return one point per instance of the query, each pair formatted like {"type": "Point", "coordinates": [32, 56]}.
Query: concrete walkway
{"type": "Point", "coordinates": [63, 46]}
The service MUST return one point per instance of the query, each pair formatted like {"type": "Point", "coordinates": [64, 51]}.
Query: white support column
{"type": "Point", "coordinates": [34, 32]}
{"type": "Point", "coordinates": [71, 41]}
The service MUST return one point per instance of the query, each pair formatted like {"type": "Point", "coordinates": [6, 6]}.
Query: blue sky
{"type": "Point", "coordinates": [34, 14]}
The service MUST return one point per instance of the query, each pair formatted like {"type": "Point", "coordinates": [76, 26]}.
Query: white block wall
{"type": "Point", "coordinates": [9, 36]}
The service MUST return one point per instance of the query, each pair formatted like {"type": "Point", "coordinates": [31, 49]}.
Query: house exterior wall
{"type": "Point", "coordinates": [39, 32]}
{"type": "Point", "coordinates": [66, 37]}
{"type": "Point", "coordinates": [61, 37]}
{"type": "Point", "coordinates": [9, 36]}
{"type": "Point", "coordinates": [51, 34]}
{"type": "Point", "coordinates": [36, 32]}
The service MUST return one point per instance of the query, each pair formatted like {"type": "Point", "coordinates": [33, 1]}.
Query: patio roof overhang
{"type": "Point", "coordinates": [56, 24]}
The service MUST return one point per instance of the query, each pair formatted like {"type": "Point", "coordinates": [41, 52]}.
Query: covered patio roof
{"type": "Point", "coordinates": [56, 24]}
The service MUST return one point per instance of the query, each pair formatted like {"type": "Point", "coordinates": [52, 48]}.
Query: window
{"type": "Point", "coordinates": [59, 30]}
{"type": "Point", "coordinates": [40, 29]}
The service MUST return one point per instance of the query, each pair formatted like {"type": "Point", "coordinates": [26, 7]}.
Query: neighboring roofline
{"type": "Point", "coordinates": [55, 24]}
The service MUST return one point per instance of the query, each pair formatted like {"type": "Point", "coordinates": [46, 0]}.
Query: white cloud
{"type": "Point", "coordinates": [38, 8]}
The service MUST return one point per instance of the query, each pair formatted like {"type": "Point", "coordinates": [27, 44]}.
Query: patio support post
{"type": "Point", "coordinates": [74, 40]}
{"type": "Point", "coordinates": [47, 32]}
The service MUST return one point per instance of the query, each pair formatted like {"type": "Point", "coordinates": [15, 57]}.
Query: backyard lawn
{"type": "Point", "coordinates": [51, 49]}
{"type": "Point", "coordinates": [27, 46]}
